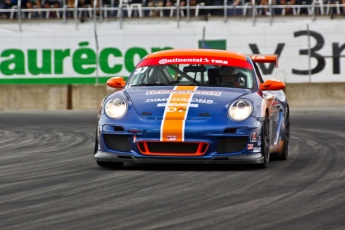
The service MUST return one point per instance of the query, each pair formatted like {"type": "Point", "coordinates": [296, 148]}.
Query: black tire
{"type": "Point", "coordinates": [265, 146]}
{"type": "Point", "coordinates": [112, 165]}
{"type": "Point", "coordinates": [96, 144]}
{"type": "Point", "coordinates": [284, 153]}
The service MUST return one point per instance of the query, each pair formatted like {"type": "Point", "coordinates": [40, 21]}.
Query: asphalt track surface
{"type": "Point", "coordinates": [49, 180]}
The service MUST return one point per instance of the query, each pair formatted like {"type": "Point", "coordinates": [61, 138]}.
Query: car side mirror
{"type": "Point", "coordinates": [116, 82]}
{"type": "Point", "coordinates": [272, 84]}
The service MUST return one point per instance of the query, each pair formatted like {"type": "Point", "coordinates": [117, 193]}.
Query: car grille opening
{"type": "Point", "coordinates": [232, 144]}
{"type": "Point", "coordinates": [172, 148]}
{"type": "Point", "coordinates": [117, 142]}
{"type": "Point", "coordinates": [230, 130]}
{"type": "Point", "coordinates": [119, 128]}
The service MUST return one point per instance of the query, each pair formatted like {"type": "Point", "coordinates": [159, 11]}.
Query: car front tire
{"type": "Point", "coordinates": [265, 147]}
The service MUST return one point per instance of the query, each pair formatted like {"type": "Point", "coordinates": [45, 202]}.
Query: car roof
{"type": "Point", "coordinates": [198, 52]}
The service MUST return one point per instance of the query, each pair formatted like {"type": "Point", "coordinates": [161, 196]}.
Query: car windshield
{"type": "Point", "coordinates": [185, 74]}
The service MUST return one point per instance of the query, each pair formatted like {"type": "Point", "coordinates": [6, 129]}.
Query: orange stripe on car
{"type": "Point", "coordinates": [175, 114]}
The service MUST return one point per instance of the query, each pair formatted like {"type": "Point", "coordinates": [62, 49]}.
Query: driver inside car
{"type": "Point", "coordinates": [228, 76]}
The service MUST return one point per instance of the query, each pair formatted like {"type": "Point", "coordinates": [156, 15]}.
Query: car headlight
{"type": "Point", "coordinates": [116, 108]}
{"type": "Point", "coordinates": [240, 110]}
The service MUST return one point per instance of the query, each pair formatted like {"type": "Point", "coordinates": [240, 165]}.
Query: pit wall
{"type": "Point", "coordinates": [89, 97]}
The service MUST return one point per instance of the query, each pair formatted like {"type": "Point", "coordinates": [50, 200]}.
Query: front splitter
{"type": "Point", "coordinates": [255, 158]}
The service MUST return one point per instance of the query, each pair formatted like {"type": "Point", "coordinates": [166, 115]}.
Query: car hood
{"type": "Point", "coordinates": [202, 102]}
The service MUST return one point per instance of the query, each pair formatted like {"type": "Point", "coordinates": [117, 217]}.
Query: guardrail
{"type": "Point", "coordinates": [188, 12]}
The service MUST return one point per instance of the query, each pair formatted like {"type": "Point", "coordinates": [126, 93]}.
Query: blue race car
{"type": "Point", "coordinates": [194, 106]}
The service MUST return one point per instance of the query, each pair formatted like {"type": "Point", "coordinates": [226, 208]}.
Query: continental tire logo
{"type": "Point", "coordinates": [183, 60]}
{"type": "Point", "coordinates": [163, 61]}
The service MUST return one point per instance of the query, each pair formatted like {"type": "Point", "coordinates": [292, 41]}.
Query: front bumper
{"type": "Point", "coordinates": [255, 158]}
{"type": "Point", "coordinates": [205, 142]}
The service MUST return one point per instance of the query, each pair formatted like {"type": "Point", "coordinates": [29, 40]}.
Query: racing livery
{"type": "Point", "coordinates": [194, 106]}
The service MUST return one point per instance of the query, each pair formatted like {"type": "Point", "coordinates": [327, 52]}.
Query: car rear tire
{"type": "Point", "coordinates": [284, 153]}
{"type": "Point", "coordinates": [265, 146]}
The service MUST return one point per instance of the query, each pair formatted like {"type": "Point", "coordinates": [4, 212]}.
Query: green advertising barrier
{"type": "Point", "coordinates": [47, 66]}
{"type": "Point", "coordinates": [212, 44]}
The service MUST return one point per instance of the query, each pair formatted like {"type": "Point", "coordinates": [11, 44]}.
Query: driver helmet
{"type": "Point", "coordinates": [228, 70]}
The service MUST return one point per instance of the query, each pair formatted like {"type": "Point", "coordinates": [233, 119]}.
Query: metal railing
{"type": "Point", "coordinates": [126, 11]}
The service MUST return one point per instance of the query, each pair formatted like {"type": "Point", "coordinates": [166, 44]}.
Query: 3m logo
{"type": "Point", "coordinates": [171, 138]}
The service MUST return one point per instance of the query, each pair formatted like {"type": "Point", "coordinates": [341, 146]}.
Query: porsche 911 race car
{"type": "Point", "coordinates": [194, 106]}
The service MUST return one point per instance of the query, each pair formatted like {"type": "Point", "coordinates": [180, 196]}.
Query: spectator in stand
{"type": "Point", "coordinates": [231, 11]}
{"type": "Point", "coordinates": [194, 3]}
{"type": "Point", "coordinates": [234, 10]}
{"type": "Point", "coordinates": [81, 4]}
{"type": "Point", "coordinates": [84, 4]}
{"type": "Point", "coordinates": [31, 4]}
{"type": "Point", "coordinates": [207, 12]}
{"type": "Point", "coordinates": [52, 4]}
{"type": "Point", "coordinates": [7, 4]}
{"type": "Point", "coordinates": [25, 4]}
{"type": "Point", "coordinates": [70, 5]}
{"type": "Point", "coordinates": [87, 3]}
{"type": "Point", "coordinates": [289, 10]}
{"type": "Point", "coordinates": [266, 9]}
{"type": "Point", "coordinates": [155, 3]}
{"type": "Point", "coordinates": [170, 3]}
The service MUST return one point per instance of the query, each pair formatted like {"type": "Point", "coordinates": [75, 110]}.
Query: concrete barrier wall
{"type": "Point", "coordinates": [316, 94]}
{"type": "Point", "coordinates": [29, 97]}
{"type": "Point", "coordinates": [89, 97]}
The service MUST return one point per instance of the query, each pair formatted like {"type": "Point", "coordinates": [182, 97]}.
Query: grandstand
{"type": "Point", "coordinates": [110, 10]}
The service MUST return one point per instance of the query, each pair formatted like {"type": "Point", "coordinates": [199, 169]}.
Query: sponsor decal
{"type": "Point", "coordinates": [194, 100]}
{"type": "Point", "coordinates": [177, 104]}
{"type": "Point", "coordinates": [140, 70]}
{"type": "Point", "coordinates": [250, 146]}
{"type": "Point", "coordinates": [80, 61]}
{"type": "Point", "coordinates": [257, 149]}
{"type": "Point", "coordinates": [193, 60]}
{"type": "Point", "coordinates": [183, 60]}
{"type": "Point", "coordinates": [172, 109]}
{"type": "Point", "coordinates": [204, 92]}
{"type": "Point", "coordinates": [173, 123]}
{"type": "Point", "coordinates": [171, 138]}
